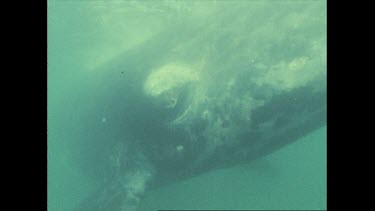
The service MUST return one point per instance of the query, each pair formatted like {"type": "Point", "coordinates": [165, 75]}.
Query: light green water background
{"type": "Point", "coordinates": [83, 35]}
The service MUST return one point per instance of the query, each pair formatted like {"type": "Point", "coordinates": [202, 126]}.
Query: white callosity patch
{"type": "Point", "coordinates": [288, 75]}
{"type": "Point", "coordinates": [168, 78]}
{"type": "Point", "coordinates": [134, 185]}
{"type": "Point", "coordinates": [166, 82]}
{"type": "Point", "coordinates": [136, 182]}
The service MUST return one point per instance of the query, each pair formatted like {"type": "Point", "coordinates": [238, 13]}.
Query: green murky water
{"type": "Point", "coordinates": [84, 37]}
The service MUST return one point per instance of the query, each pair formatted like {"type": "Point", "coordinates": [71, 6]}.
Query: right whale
{"type": "Point", "coordinates": [175, 109]}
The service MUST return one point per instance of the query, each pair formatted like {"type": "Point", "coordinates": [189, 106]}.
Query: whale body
{"type": "Point", "coordinates": [190, 100]}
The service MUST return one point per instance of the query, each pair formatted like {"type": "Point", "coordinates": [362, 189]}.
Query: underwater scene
{"type": "Point", "coordinates": [186, 105]}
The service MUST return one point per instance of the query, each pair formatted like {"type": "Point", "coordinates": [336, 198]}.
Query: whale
{"type": "Point", "coordinates": [173, 108]}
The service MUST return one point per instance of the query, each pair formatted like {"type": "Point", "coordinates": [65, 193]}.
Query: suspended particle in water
{"type": "Point", "coordinates": [179, 147]}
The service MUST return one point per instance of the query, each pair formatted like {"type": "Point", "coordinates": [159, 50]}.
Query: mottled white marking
{"type": "Point", "coordinates": [179, 147]}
